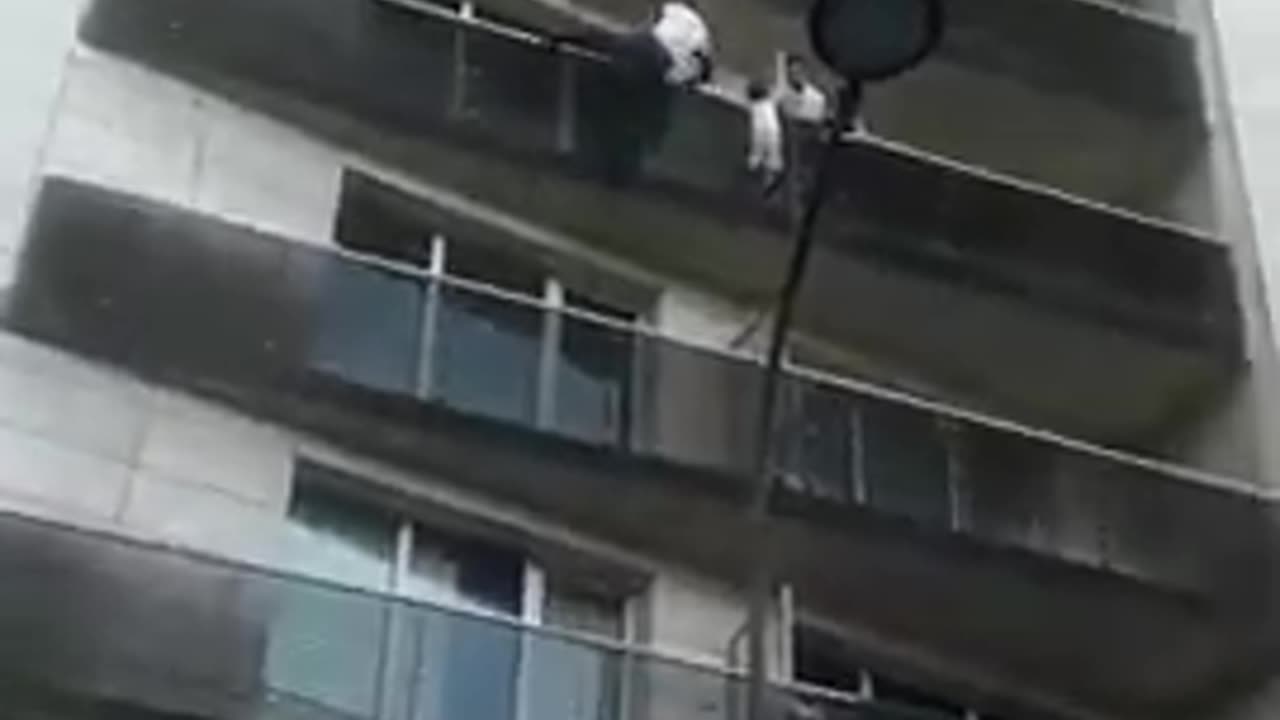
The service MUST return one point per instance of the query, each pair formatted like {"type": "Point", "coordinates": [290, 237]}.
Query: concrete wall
{"type": "Point", "coordinates": [120, 125]}
{"type": "Point", "coordinates": [1237, 62]}
{"type": "Point", "coordinates": [86, 445]}
{"type": "Point", "coordinates": [1248, 105]}
{"type": "Point", "coordinates": [83, 444]}
{"type": "Point", "coordinates": [37, 36]}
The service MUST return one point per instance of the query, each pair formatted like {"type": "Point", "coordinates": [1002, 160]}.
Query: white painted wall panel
{"type": "Point", "coordinates": [693, 617]}
{"type": "Point", "coordinates": [1248, 32]}
{"type": "Point", "coordinates": [125, 127]}
{"type": "Point", "coordinates": [105, 417]}
{"type": "Point", "coordinates": [35, 36]}
{"type": "Point", "coordinates": [263, 174]}
{"type": "Point", "coordinates": [200, 444]}
{"type": "Point", "coordinates": [40, 468]}
{"type": "Point", "coordinates": [200, 517]}
{"type": "Point", "coordinates": [141, 132]}
{"type": "Point", "coordinates": [700, 319]}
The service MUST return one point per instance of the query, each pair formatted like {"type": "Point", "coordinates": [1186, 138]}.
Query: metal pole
{"type": "Point", "coordinates": [762, 580]}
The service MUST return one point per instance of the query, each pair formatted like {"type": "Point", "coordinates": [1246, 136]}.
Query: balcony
{"type": "Point", "coordinates": [100, 627]}
{"type": "Point", "coordinates": [1099, 98]}
{"type": "Point", "coordinates": [567, 409]}
{"type": "Point", "coordinates": [1024, 278]}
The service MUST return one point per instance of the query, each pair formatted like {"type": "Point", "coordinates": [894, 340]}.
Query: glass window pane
{"type": "Point", "coordinates": [571, 608]}
{"type": "Point", "coordinates": [494, 265]}
{"type": "Point", "coordinates": [339, 539]}
{"type": "Point", "coordinates": [433, 575]}
{"type": "Point", "coordinates": [487, 355]}
{"type": "Point", "coordinates": [824, 659]}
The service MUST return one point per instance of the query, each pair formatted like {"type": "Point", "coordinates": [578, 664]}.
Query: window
{"type": "Point", "coordinates": [571, 680]}
{"type": "Point", "coordinates": [825, 660]}
{"type": "Point", "coordinates": [366, 324]}
{"type": "Point", "coordinates": [822, 659]}
{"type": "Point", "coordinates": [345, 646]}
{"type": "Point", "coordinates": [476, 349]}
{"type": "Point", "coordinates": [488, 349]}
{"type": "Point", "coordinates": [326, 644]}
{"type": "Point", "coordinates": [897, 694]}
{"type": "Point", "coordinates": [594, 391]}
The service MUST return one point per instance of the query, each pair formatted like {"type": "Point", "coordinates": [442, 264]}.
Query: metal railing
{"type": "Point", "coordinates": [844, 443]}
{"type": "Point", "coordinates": [475, 83]}
{"type": "Point", "coordinates": [170, 629]}
{"type": "Point", "coordinates": [385, 337]}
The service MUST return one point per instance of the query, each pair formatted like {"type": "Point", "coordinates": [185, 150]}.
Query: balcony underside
{"type": "Point", "coordinates": [997, 297]}
{"type": "Point", "coordinates": [218, 313]}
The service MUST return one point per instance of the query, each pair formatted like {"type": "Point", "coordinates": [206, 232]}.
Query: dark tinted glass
{"type": "Point", "coordinates": [511, 89]}
{"type": "Point", "coordinates": [905, 463]}
{"type": "Point", "coordinates": [487, 355]}
{"type": "Point", "coordinates": [817, 430]}
{"type": "Point", "coordinates": [594, 378]}
{"type": "Point", "coordinates": [366, 322]}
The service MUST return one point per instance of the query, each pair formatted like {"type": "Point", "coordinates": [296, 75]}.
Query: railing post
{"type": "Point", "coordinates": [956, 516]}
{"type": "Point", "coordinates": [430, 322]}
{"type": "Point", "coordinates": [861, 493]}
{"type": "Point", "coordinates": [458, 102]}
{"type": "Point", "coordinates": [567, 125]}
{"type": "Point", "coordinates": [396, 666]}
{"type": "Point", "coordinates": [762, 575]}
{"type": "Point", "coordinates": [552, 330]}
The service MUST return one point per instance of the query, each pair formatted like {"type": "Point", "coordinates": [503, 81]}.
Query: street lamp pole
{"type": "Point", "coordinates": [763, 570]}
{"type": "Point", "coordinates": [862, 41]}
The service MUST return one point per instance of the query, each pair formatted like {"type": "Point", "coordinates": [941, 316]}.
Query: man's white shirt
{"type": "Point", "coordinates": [806, 103]}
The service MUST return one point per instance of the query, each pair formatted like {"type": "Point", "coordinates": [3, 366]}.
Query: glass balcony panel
{"type": "Point", "coordinates": [464, 667]}
{"type": "Point", "coordinates": [704, 148]}
{"type": "Point", "coordinates": [697, 406]}
{"type": "Point", "coordinates": [904, 462]}
{"type": "Point", "coordinates": [413, 64]}
{"type": "Point", "coordinates": [595, 381]}
{"type": "Point", "coordinates": [818, 441]}
{"type": "Point", "coordinates": [568, 680]}
{"type": "Point", "coordinates": [659, 689]}
{"type": "Point", "coordinates": [365, 320]}
{"type": "Point", "coordinates": [511, 89]}
{"type": "Point", "coordinates": [487, 355]}
{"type": "Point", "coordinates": [1004, 485]}
{"type": "Point", "coordinates": [325, 646]}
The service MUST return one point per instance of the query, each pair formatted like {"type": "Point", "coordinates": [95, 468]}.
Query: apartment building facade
{"type": "Point", "coordinates": [337, 383]}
